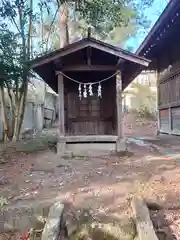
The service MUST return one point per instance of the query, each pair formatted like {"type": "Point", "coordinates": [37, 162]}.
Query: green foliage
{"type": "Point", "coordinates": [16, 17]}
{"type": "Point", "coordinates": [10, 67]}
{"type": "Point", "coordinates": [13, 55]}
{"type": "Point", "coordinates": [112, 21]}
{"type": "Point", "coordinates": [145, 112]}
{"type": "Point", "coordinates": [3, 202]}
{"type": "Point", "coordinates": [112, 13]}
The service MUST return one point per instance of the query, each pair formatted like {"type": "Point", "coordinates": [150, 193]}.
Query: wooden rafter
{"type": "Point", "coordinates": [89, 68]}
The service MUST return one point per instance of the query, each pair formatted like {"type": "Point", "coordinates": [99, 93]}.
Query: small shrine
{"type": "Point", "coordinates": [89, 76]}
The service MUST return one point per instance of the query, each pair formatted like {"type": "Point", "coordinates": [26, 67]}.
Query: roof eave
{"type": "Point", "coordinates": [157, 25]}
{"type": "Point", "coordinates": [89, 42]}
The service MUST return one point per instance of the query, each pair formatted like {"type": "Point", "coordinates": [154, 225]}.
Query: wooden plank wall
{"type": "Point", "coordinates": [168, 82]}
{"type": "Point", "coordinates": [91, 116]}
{"type": "Point", "coordinates": [164, 121]}
{"type": "Point", "coordinates": [169, 92]}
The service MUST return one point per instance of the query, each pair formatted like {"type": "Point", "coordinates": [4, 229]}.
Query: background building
{"type": "Point", "coordinates": [142, 91]}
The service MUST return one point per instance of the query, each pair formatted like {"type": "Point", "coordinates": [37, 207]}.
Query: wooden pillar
{"type": "Point", "coordinates": [158, 95]}
{"type": "Point", "coordinates": [61, 104]}
{"type": "Point", "coordinates": [158, 123]}
{"type": "Point", "coordinates": [119, 103]}
{"type": "Point", "coordinates": [158, 116]}
{"type": "Point", "coordinates": [170, 121]}
{"type": "Point", "coordinates": [61, 140]}
{"type": "Point", "coordinates": [158, 103]}
{"type": "Point", "coordinates": [120, 143]}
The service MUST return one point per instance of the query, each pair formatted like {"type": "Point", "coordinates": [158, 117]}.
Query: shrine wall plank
{"type": "Point", "coordinates": [169, 89]}
{"type": "Point", "coordinates": [91, 115]}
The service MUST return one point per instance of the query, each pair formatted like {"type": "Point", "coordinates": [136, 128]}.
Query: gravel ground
{"type": "Point", "coordinates": [167, 224]}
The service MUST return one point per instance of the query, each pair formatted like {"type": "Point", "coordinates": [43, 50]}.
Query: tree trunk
{"type": "Point", "coordinates": [16, 123]}
{"type": "Point", "coordinates": [12, 113]}
{"type": "Point", "coordinates": [19, 119]}
{"type": "Point", "coordinates": [63, 25]}
{"type": "Point", "coordinates": [4, 115]}
{"type": "Point", "coordinates": [20, 114]}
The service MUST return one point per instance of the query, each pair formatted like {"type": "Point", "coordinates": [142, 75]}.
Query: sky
{"type": "Point", "coordinates": [152, 14]}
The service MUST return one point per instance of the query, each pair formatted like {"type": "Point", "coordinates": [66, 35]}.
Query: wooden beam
{"type": "Point", "coordinates": [89, 32]}
{"type": "Point", "coordinates": [91, 138]}
{"type": "Point", "coordinates": [58, 63]}
{"type": "Point", "coordinates": [127, 56]}
{"type": "Point", "coordinates": [89, 68]}
{"type": "Point", "coordinates": [60, 53]}
{"type": "Point", "coordinates": [168, 105]}
{"type": "Point", "coordinates": [89, 55]}
{"type": "Point", "coordinates": [120, 61]}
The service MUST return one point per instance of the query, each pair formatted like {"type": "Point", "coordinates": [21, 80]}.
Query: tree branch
{"type": "Point", "coordinates": [29, 31]}
{"type": "Point", "coordinates": [13, 21]}
{"type": "Point", "coordinates": [54, 18]}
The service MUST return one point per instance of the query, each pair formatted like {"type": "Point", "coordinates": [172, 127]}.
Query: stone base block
{"type": "Point", "coordinates": [61, 148]}
{"type": "Point", "coordinates": [121, 145]}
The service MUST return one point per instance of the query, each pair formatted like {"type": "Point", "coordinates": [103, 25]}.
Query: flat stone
{"type": "Point", "coordinates": [20, 218]}
{"type": "Point", "coordinates": [61, 148]}
{"type": "Point", "coordinates": [68, 155]}
{"type": "Point", "coordinates": [3, 181]}
{"type": "Point", "coordinates": [52, 226]}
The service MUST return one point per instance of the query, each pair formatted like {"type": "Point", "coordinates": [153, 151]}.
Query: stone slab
{"type": "Point", "coordinates": [144, 224]}
{"type": "Point", "coordinates": [52, 227]}
{"type": "Point", "coordinates": [23, 217]}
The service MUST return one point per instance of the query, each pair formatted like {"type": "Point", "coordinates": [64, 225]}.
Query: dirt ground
{"type": "Point", "coordinates": [135, 127]}
{"type": "Point", "coordinates": [103, 184]}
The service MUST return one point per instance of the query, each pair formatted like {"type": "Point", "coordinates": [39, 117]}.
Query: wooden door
{"type": "Point", "coordinates": [84, 115]}
{"type": "Point", "coordinates": [89, 122]}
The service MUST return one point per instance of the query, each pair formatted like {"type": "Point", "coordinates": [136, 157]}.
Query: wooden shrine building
{"type": "Point", "coordinates": [162, 47]}
{"type": "Point", "coordinates": [89, 76]}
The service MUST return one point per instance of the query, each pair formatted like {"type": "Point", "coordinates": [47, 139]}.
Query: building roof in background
{"type": "Point", "coordinates": [160, 34]}
{"type": "Point", "coordinates": [169, 19]}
